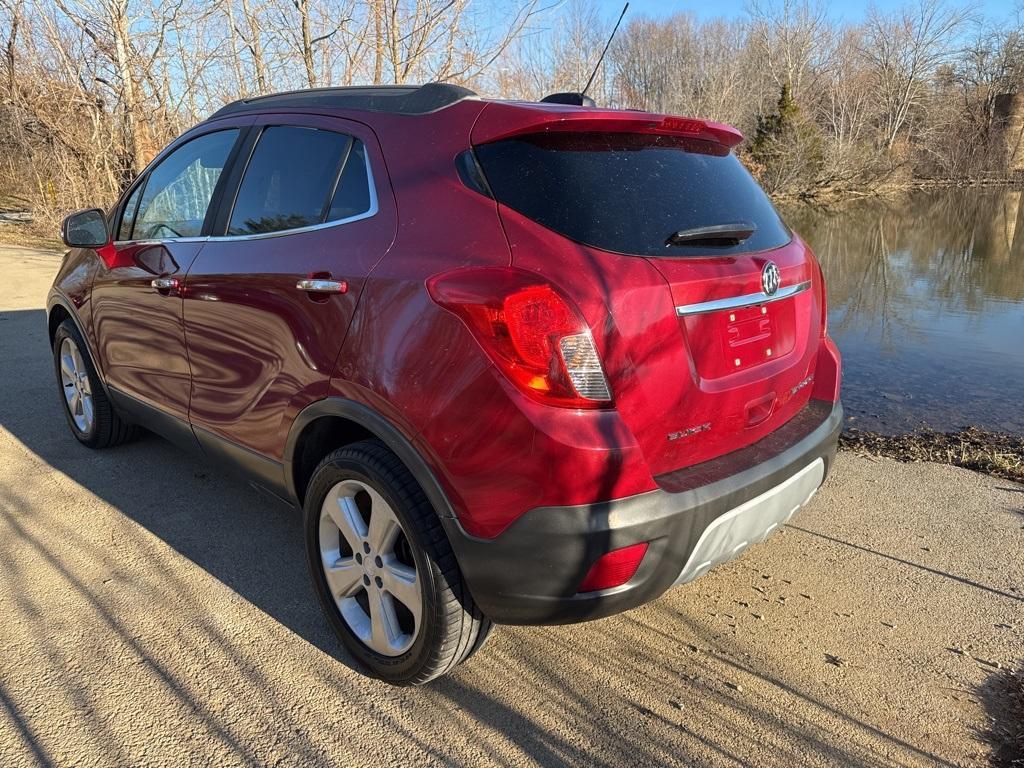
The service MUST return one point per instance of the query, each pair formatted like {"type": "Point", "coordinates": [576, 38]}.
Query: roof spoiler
{"type": "Point", "coordinates": [505, 120]}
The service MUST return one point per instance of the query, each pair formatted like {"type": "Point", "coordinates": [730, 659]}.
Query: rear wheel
{"type": "Point", "coordinates": [89, 414]}
{"type": "Point", "coordinates": [383, 569]}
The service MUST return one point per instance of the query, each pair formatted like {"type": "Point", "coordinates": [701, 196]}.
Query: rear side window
{"type": "Point", "coordinates": [629, 193]}
{"type": "Point", "coordinates": [298, 177]}
{"type": "Point", "coordinates": [353, 195]}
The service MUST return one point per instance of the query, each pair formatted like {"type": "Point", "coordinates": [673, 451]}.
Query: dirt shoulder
{"type": "Point", "coordinates": [157, 612]}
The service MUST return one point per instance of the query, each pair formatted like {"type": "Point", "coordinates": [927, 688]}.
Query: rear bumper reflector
{"type": "Point", "coordinates": [738, 302]}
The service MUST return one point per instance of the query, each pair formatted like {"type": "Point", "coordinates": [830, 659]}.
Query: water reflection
{"type": "Point", "coordinates": [926, 302]}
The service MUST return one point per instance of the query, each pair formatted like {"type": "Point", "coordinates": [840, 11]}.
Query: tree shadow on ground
{"type": "Point", "coordinates": [617, 692]}
{"type": "Point", "coordinates": [1002, 695]}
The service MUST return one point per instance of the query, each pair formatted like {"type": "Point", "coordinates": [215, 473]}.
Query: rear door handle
{"type": "Point", "coordinates": [318, 285]}
{"type": "Point", "coordinates": [166, 283]}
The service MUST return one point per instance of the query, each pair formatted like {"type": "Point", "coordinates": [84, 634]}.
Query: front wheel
{"type": "Point", "coordinates": [383, 569]}
{"type": "Point", "coordinates": [89, 414]}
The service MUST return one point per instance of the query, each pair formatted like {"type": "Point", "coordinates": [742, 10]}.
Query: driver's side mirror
{"type": "Point", "coordinates": [85, 229]}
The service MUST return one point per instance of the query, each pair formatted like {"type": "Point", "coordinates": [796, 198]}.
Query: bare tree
{"type": "Point", "coordinates": [847, 110]}
{"type": "Point", "coordinates": [129, 38]}
{"type": "Point", "coordinates": [905, 49]}
{"type": "Point", "coordinates": [329, 20]}
{"type": "Point", "coordinates": [790, 36]}
{"type": "Point", "coordinates": [557, 54]}
{"type": "Point", "coordinates": [246, 25]}
{"type": "Point", "coordinates": [13, 10]}
{"type": "Point", "coordinates": [446, 39]}
{"type": "Point", "coordinates": [685, 66]}
{"type": "Point", "coordinates": [992, 63]}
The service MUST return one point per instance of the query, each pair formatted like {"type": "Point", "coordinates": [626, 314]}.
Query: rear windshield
{"type": "Point", "coordinates": [629, 193]}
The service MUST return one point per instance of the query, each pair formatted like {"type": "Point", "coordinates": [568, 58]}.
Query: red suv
{"type": "Point", "coordinates": [517, 362]}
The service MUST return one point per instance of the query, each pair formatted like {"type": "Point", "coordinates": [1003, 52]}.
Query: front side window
{"type": "Point", "coordinates": [178, 192]}
{"type": "Point", "coordinates": [298, 177]}
{"type": "Point", "coordinates": [124, 229]}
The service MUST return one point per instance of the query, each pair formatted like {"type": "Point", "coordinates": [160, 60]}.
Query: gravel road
{"type": "Point", "coordinates": [156, 612]}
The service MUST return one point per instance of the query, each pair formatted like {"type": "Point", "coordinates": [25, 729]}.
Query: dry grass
{"type": "Point", "coordinates": [993, 453]}
{"type": "Point", "coordinates": [30, 236]}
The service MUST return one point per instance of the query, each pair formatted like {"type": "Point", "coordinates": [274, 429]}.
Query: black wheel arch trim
{"type": "Point", "coordinates": [376, 423]}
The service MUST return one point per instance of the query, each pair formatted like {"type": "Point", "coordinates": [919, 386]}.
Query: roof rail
{"type": "Point", "coordinates": [396, 99]}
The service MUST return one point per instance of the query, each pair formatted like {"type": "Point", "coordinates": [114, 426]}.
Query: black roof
{"type": "Point", "coordinates": [396, 99]}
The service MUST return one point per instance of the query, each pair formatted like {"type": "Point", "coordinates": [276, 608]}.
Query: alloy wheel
{"type": "Point", "coordinates": [369, 568]}
{"type": "Point", "coordinates": [74, 379]}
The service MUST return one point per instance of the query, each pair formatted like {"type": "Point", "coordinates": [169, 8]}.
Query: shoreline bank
{"type": "Point", "coordinates": [827, 196]}
{"type": "Point", "coordinates": [993, 453]}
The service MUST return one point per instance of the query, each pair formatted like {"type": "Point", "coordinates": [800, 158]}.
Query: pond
{"type": "Point", "coordinates": [926, 303]}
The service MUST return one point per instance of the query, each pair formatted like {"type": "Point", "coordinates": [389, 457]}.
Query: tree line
{"type": "Point", "coordinates": [90, 90]}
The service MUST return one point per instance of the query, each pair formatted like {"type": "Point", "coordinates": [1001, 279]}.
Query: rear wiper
{"type": "Point", "coordinates": [732, 233]}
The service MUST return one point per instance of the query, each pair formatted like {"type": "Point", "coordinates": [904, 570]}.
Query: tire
{"type": "Point", "coordinates": [97, 424]}
{"type": "Point", "coordinates": [449, 627]}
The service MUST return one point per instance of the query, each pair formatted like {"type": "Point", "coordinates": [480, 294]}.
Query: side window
{"type": "Point", "coordinates": [179, 190]}
{"type": "Point", "coordinates": [353, 194]}
{"type": "Point", "coordinates": [124, 229]}
{"type": "Point", "coordinates": [292, 178]}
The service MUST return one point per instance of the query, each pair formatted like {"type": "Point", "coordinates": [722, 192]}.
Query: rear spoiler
{"type": "Point", "coordinates": [503, 120]}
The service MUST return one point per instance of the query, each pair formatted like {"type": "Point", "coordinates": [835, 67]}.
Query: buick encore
{"type": "Point", "coordinates": [516, 362]}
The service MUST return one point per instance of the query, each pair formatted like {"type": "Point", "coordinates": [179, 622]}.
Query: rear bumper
{"type": "Point", "coordinates": [698, 517]}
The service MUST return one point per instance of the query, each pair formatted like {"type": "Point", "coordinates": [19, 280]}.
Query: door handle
{"type": "Point", "coordinates": [166, 283]}
{"type": "Point", "coordinates": [319, 285]}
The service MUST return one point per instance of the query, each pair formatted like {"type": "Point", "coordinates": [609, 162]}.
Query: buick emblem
{"type": "Point", "coordinates": [770, 278]}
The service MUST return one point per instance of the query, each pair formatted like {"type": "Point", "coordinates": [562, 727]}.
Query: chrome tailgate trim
{"type": "Point", "coordinates": [739, 302]}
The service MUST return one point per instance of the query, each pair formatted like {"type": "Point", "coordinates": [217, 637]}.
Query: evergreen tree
{"type": "Point", "coordinates": [786, 151]}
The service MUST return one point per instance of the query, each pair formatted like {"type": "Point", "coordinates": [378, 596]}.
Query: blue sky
{"type": "Point", "coordinates": [848, 10]}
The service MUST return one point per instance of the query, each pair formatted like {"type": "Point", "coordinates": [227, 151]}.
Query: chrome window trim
{"type": "Point", "coordinates": [739, 302]}
{"type": "Point", "coordinates": [151, 241]}
{"type": "Point", "coordinates": [370, 212]}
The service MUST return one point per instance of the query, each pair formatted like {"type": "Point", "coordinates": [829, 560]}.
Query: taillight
{"type": "Point", "coordinates": [613, 569]}
{"type": "Point", "coordinates": [533, 334]}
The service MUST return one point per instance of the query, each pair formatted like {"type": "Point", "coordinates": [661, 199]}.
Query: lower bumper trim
{"type": "Point", "coordinates": [752, 522]}
{"type": "Point", "coordinates": [530, 573]}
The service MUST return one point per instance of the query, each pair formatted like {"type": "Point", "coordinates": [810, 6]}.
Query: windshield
{"type": "Point", "coordinates": [630, 193]}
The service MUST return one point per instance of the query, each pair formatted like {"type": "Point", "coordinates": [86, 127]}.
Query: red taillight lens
{"type": "Point", "coordinates": [614, 568]}
{"type": "Point", "coordinates": [537, 339]}
{"type": "Point", "coordinates": [824, 302]}
{"type": "Point", "coordinates": [823, 291]}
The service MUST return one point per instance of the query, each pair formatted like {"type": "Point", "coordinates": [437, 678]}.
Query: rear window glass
{"type": "Point", "coordinates": [629, 193]}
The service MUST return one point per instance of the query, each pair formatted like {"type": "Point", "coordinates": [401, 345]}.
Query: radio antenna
{"type": "Point", "coordinates": [601, 58]}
